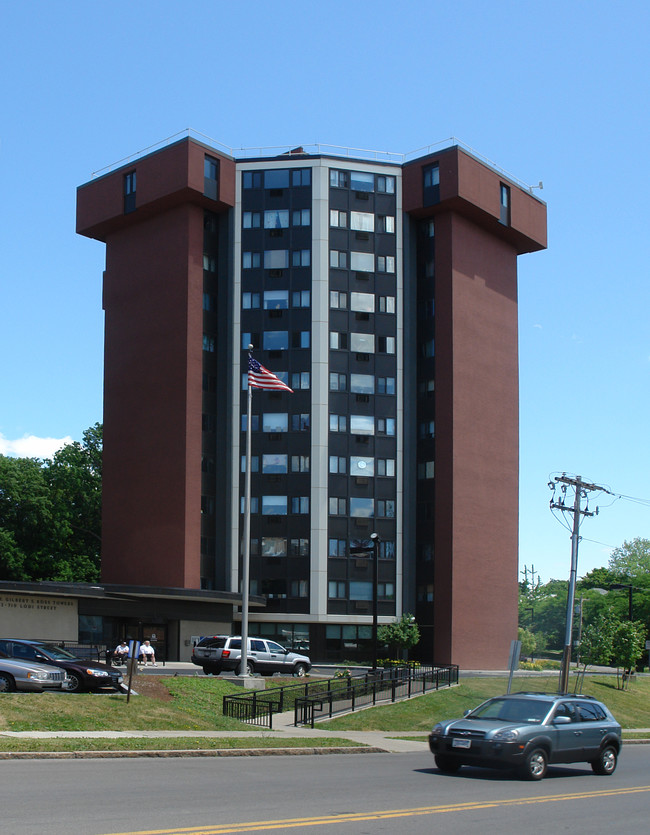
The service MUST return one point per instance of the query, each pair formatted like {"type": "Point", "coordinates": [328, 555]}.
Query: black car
{"type": "Point", "coordinates": [527, 731]}
{"type": "Point", "coordinates": [82, 675]}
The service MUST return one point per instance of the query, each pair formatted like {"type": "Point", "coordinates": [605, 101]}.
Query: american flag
{"type": "Point", "coordinates": [261, 378]}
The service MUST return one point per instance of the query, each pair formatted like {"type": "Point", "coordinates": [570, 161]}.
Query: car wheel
{"type": "Point", "coordinates": [7, 684]}
{"type": "Point", "coordinates": [300, 670]}
{"type": "Point", "coordinates": [534, 767]}
{"type": "Point", "coordinates": [74, 685]}
{"type": "Point", "coordinates": [605, 762]}
{"type": "Point", "coordinates": [448, 765]}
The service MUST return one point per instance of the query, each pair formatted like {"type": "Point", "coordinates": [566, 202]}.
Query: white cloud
{"type": "Point", "coordinates": [29, 446]}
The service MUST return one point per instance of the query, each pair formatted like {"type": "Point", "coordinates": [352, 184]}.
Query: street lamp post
{"type": "Point", "coordinates": [375, 554]}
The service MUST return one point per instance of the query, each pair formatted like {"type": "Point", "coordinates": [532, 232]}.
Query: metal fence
{"type": "Point", "coordinates": [327, 697]}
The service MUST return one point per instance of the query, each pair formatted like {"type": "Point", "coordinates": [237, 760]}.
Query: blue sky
{"type": "Point", "coordinates": [551, 91]}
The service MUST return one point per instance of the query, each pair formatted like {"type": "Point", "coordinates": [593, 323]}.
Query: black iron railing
{"type": "Point", "coordinates": [327, 697]}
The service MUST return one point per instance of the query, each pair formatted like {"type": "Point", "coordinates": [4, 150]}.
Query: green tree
{"type": "Point", "coordinates": [25, 517]}
{"type": "Point", "coordinates": [544, 613]}
{"type": "Point", "coordinates": [528, 641]}
{"type": "Point", "coordinates": [403, 634]}
{"type": "Point", "coordinates": [629, 638]}
{"type": "Point", "coordinates": [74, 476]}
{"type": "Point", "coordinates": [631, 560]}
{"type": "Point", "coordinates": [596, 645]}
{"type": "Point", "coordinates": [50, 514]}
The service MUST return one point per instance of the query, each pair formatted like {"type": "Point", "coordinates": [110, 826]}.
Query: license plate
{"type": "Point", "coordinates": [461, 743]}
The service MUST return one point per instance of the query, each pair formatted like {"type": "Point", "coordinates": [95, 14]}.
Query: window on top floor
{"type": "Point", "coordinates": [211, 177]}
{"type": "Point", "coordinates": [300, 177]}
{"type": "Point", "coordinates": [129, 192]}
{"type": "Point", "coordinates": [504, 213]}
{"type": "Point", "coordinates": [338, 179]}
{"type": "Point", "coordinates": [362, 181]}
{"type": "Point", "coordinates": [431, 184]}
{"type": "Point", "coordinates": [252, 179]}
{"type": "Point", "coordinates": [276, 178]}
{"type": "Point", "coordinates": [385, 184]}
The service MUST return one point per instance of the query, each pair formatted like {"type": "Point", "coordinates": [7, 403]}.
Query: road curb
{"type": "Point", "coordinates": [198, 752]}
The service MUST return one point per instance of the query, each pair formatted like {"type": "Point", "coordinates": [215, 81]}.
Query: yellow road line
{"type": "Point", "coordinates": [351, 817]}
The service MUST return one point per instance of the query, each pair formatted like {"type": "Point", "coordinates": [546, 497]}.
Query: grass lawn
{"type": "Point", "coordinates": [194, 704]}
{"type": "Point", "coordinates": [630, 707]}
{"type": "Point", "coordinates": [169, 703]}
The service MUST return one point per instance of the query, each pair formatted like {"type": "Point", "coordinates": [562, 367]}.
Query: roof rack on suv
{"type": "Point", "coordinates": [551, 695]}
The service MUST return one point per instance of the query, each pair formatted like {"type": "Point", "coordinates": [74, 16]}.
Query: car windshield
{"type": "Point", "coordinates": [529, 711]}
{"type": "Point", "coordinates": [57, 653]}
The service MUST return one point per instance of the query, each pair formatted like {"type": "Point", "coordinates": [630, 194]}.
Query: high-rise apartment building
{"type": "Point", "coordinates": [384, 293]}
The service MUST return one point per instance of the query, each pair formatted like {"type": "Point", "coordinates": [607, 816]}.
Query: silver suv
{"type": "Point", "coordinates": [222, 653]}
{"type": "Point", "coordinates": [527, 731]}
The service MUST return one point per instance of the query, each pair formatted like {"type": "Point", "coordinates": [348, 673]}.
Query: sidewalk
{"type": "Point", "coordinates": [282, 727]}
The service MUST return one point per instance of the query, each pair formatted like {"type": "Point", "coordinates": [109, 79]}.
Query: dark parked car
{"type": "Point", "coordinates": [222, 653]}
{"type": "Point", "coordinates": [527, 731]}
{"type": "Point", "coordinates": [82, 675]}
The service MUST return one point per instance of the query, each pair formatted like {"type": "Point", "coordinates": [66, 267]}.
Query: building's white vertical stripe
{"type": "Point", "coordinates": [319, 389]}
{"type": "Point", "coordinates": [399, 383]}
{"type": "Point", "coordinates": [236, 390]}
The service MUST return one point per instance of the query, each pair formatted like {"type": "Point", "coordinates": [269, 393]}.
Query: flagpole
{"type": "Point", "coordinates": [245, 582]}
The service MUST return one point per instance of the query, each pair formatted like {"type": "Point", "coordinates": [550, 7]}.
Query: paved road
{"type": "Point", "coordinates": [356, 794]}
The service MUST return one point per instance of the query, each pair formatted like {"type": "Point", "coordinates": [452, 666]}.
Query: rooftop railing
{"type": "Point", "coordinates": [312, 149]}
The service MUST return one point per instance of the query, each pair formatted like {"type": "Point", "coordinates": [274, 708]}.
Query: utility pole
{"type": "Point", "coordinates": [582, 490]}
